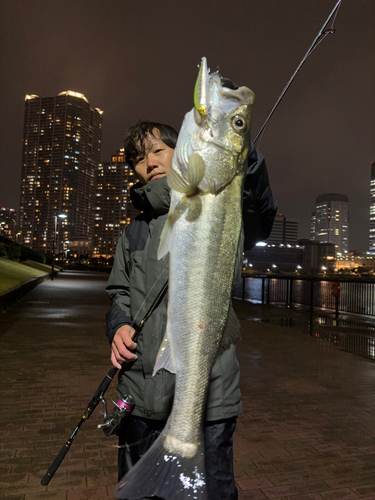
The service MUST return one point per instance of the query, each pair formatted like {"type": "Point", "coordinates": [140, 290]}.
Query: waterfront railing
{"type": "Point", "coordinates": [352, 295]}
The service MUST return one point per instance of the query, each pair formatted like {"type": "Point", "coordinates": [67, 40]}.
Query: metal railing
{"type": "Point", "coordinates": [356, 295]}
{"type": "Point", "coordinates": [362, 345]}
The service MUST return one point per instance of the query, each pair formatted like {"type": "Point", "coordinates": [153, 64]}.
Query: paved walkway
{"type": "Point", "coordinates": [307, 432]}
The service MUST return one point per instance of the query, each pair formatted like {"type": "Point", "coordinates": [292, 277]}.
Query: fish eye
{"type": "Point", "coordinates": [239, 124]}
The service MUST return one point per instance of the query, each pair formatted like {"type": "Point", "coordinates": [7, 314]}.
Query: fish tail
{"type": "Point", "coordinates": [167, 475]}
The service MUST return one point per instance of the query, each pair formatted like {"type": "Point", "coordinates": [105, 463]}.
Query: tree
{"type": "Point", "coordinates": [3, 250]}
{"type": "Point", "coordinates": [14, 252]}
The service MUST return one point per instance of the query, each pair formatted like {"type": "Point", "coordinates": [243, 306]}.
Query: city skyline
{"type": "Point", "coordinates": [321, 139]}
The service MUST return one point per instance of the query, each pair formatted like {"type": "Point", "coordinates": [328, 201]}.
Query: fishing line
{"type": "Point", "coordinates": [148, 294]}
{"type": "Point", "coordinates": [118, 446]}
{"type": "Point", "coordinates": [261, 137]}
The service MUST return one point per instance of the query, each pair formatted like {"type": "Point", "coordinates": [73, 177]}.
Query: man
{"type": "Point", "coordinates": [136, 280]}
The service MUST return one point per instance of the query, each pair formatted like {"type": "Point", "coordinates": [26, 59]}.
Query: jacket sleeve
{"type": "Point", "coordinates": [118, 290]}
{"type": "Point", "coordinates": [259, 206]}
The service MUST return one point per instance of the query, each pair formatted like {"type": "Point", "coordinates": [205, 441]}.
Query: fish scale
{"type": "Point", "coordinates": [201, 307]}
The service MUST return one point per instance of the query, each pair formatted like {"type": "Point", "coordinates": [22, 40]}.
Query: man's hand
{"type": "Point", "coordinates": [122, 345]}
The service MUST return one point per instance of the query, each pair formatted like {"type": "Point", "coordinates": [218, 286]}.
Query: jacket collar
{"type": "Point", "coordinates": [154, 197]}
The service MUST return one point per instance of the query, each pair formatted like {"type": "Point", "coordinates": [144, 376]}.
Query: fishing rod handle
{"type": "Point", "coordinates": [89, 409]}
{"type": "Point", "coordinates": [56, 464]}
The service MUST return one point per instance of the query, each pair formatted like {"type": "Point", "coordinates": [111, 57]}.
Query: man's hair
{"type": "Point", "coordinates": [137, 139]}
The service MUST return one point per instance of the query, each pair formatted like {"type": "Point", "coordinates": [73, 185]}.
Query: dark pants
{"type": "Point", "coordinates": [138, 434]}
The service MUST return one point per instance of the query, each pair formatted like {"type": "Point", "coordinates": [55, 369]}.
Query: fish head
{"type": "Point", "coordinates": [217, 128]}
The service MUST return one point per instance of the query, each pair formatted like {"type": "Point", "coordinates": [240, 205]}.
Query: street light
{"type": "Point", "coordinates": [61, 216]}
{"type": "Point", "coordinates": [65, 254]}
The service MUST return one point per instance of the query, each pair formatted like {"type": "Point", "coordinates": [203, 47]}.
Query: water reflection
{"type": "Point", "coordinates": [356, 297]}
{"type": "Point", "coordinates": [358, 344]}
{"type": "Point", "coordinates": [331, 330]}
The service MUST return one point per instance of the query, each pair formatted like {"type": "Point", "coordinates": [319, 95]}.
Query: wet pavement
{"type": "Point", "coordinates": [308, 427]}
{"type": "Point", "coordinates": [307, 432]}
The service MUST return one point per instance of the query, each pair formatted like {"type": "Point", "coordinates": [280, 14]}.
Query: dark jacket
{"type": "Point", "coordinates": [136, 279]}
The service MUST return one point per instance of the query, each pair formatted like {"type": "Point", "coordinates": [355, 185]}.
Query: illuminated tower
{"type": "Point", "coordinates": [114, 209]}
{"type": "Point", "coordinates": [61, 151]}
{"type": "Point", "coordinates": [372, 211]}
{"type": "Point", "coordinates": [332, 221]}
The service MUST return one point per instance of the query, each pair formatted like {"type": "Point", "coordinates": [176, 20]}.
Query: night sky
{"type": "Point", "coordinates": [138, 59]}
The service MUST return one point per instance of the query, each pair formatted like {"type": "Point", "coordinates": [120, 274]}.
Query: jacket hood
{"type": "Point", "coordinates": [154, 197]}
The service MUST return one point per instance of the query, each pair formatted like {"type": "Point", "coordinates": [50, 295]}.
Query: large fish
{"type": "Point", "coordinates": [202, 234]}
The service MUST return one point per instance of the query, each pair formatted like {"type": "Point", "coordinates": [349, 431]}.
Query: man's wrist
{"type": "Point", "coordinates": [116, 317]}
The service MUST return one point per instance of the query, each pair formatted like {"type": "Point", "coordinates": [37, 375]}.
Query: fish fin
{"type": "Point", "coordinates": [232, 331]}
{"type": "Point", "coordinates": [196, 170]}
{"type": "Point", "coordinates": [165, 474]}
{"type": "Point", "coordinates": [205, 186]}
{"type": "Point", "coordinates": [165, 238]}
{"type": "Point", "coordinates": [176, 182]}
{"type": "Point", "coordinates": [195, 173]}
{"type": "Point", "coordinates": [239, 259]}
{"type": "Point", "coordinates": [164, 359]}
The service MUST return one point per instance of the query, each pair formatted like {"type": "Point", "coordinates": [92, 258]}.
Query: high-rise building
{"type": "Point", "coordinates": [313, 226]}
{"type": "Point", "coordinates": [372, 211]}
{"type": "Point", "coordinates": [8, 223]}
{"type": "Point", "coordinates": [284, 231]}
{"type": "Point", "coordinates": [114, 209]}
{"type": "Point", "coordinates": [61, 151]}
{"type": "Point", "coordinates": [317, 257]}
{"type": "Point", "coordinates": [332, 221]}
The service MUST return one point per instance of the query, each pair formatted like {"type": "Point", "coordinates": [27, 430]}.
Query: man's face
{"type": "Point", "coordinates": [156, 162]}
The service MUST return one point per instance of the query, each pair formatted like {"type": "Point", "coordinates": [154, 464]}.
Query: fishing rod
{"type": "Point", "coordinates": [122, 407]}
{"type": "Point", "coordinates": [323, 32]}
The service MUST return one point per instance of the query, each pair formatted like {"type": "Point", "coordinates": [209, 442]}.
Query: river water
{"type": "Point", "coordinates": [355, 297]}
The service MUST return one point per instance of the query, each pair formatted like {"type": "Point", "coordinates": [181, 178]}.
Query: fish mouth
{"type": "Point", "coordinates": [201, 90]}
